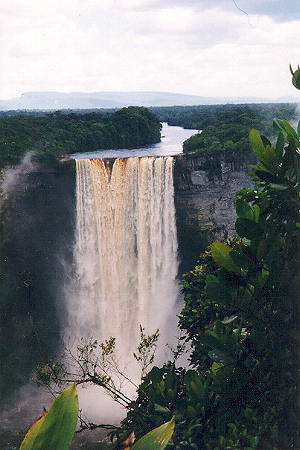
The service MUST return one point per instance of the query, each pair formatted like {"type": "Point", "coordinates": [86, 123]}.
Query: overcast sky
{"type": "Point", "coordinates": [201, 47]}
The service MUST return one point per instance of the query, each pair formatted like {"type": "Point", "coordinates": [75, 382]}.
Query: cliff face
{"type": "Point", "coordinates": [204, 195]}
{"type": "Point", "coordinates": [37, 232]}
{"type": "Point", "coordinates": [36, 236]}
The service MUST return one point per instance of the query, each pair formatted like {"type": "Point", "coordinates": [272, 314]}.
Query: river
{"type": "Point", "coordinates": [170, 145]}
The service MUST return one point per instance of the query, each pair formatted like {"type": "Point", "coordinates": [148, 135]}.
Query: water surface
{"type": "Point", "coordinates": [170, 145]}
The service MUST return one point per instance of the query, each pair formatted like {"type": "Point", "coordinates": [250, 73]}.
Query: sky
{"type": "Point", "coordinates": [200, 47]}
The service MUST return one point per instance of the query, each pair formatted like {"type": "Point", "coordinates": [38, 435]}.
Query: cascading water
{"type": "Point", "coordinates": [125, 251]}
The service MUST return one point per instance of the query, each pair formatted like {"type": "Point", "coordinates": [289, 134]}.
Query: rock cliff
{"type": "Point", "coordinates": [37, 234]}
{"type": "Point", "coordinates": [205, 194]}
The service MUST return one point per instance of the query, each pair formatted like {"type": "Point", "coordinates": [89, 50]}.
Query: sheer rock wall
{"type": "Point", "coordinates": [205, 198]}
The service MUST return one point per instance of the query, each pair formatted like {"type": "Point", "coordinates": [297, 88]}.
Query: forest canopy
{"type": "Point", "coordinates": [57, 134]}
{"type": "Point", "coordinates": [225, 128]}
{"type": "Point", "coordinates": [201, 116]}
{"type": "Point", "coordinates": [53, 135]}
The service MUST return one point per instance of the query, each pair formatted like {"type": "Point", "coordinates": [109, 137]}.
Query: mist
{"type": "Point", "coordinates": [12, 178]}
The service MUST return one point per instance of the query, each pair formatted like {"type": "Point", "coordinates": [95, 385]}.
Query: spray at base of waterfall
{"type": "Point", "coordinates": [125, 258]}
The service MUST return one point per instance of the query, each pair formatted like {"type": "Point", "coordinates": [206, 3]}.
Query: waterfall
{"type": "Point", "coordinates": [125, 250]}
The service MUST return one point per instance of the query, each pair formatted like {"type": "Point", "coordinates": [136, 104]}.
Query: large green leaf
{"type": "Point", "coordinates": [55, 430]}
{"type": "Point", "coordinates": [298, 129]}
{"type": "Point", "coordinates": [195, 385]}
{"type": "Point", "coordinates": [256, 213]}
{"type": "Point", "coordinates": [278, 187]}
{"type": "Point", "coordinates": [215, 367]}
{"type": "Point", "coordinates": [257, 143]}
{"type": "Point", "coordinates": [243, 209]}
{"type": "Point", "coordinates": [265, 153]}
{"type": "Point", "coordinates": [296, 77]}
{"type": "Point", "coordinates": [216, 290]}
{"type": "Point", "coordinates": [280, 145]}
{"type": "Point", "coordinates": [242, 260]}
{"type": "Point", "coordinates": [284, 127]}
{"type": "Point", "coordinates": [267, 177]}
{"type": "Point", "coordinates": [221, 255]}
{"type": "Point", "coordinates": [158, 438]}
{"type": "Point", "coordinates": [248, 229]}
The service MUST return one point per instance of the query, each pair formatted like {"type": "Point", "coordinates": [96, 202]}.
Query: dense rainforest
{"type": "Point", "coordinates": [240, 317]}
{"type": "Point", "coordinates": [241, 322]}
{"type": "Point", "coordinates": [235, 336]}
{"type": "Point", "coordinates": [54, 135]}
{"type": "Point", "coordinates": [241, 312]}
{"type": "Point", "coordinates": [201, 116]}
{"type": "Point", "coordinates": [225, 128]}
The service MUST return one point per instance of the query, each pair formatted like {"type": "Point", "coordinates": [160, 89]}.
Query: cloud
{"type": "Point", "coordinates": [279, 10]}
{"type": "Point", "coordinates": [199, 28]}
{"type": "Point", "coordinates": [198, 47]}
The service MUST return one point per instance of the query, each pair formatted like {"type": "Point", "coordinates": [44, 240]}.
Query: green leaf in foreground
{"type": "Point", "coordinates": [216, 290]}
{"type": "Point", "coordinates": [257, 143]}
{"type": "Point", "coordinates": [286, 128]}
{"type": "Point", "coordinates": [158, 438]}
{"type": "Point", "coordinates": [248, 229]}
{"type": "Point", "coordinates": [221, 255]}
{"type": "Point", "coordinates": [296, 77]}
{"type": "Point", "coordinates": [243, 209]}
{"type": "Point", "coordinates": [56, 428]}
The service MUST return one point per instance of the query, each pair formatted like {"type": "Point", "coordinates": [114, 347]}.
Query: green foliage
{"type": "Point", "coordinates": [165, 392]}
{"type": "Point", "coordinates": [51, 136]}
{"type": "Point", "coordinates": [201, 116]}
{"type": "Point", "coordinates": [296, 77]}
{"type": "Point", "coordinates": [224, 135]}
{"type": "Point", "coordinates": [55, 429]}
{"type": "Point", "coordinates": [221, 255]}
{"type": "Point", "coordinates": [146, 349]}
{"type": "Point", "coordinates": [96, 362]}
{"type": "Point", "coordinates": [241, 318]}
{"type": "Point", "coordinates": [156, 439]}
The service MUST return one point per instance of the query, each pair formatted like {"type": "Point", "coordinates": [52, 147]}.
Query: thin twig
{"type": "Point", "coordinates": [240, 9]}
{"type": "Point", "coordinates": [84, 425]}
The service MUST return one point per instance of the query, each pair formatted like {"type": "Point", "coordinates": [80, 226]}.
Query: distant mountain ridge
{"type": "Point", "coordinates": [84, 100]}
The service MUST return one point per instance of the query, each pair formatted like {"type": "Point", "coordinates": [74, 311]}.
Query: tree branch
{"type": "Point", "coordinates": [240, 9]}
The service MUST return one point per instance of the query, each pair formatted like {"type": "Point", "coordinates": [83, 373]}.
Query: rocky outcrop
{"type": "Point", "coordinates": [205, 194]}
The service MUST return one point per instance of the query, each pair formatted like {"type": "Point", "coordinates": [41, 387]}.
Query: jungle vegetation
{"type": "Point", "coordinates": [225, 128]}
{"type": "Point", "coordinates": [225, 134]}
{"type": "Point", "coordinates": [240, 318]}
{"type": "Point", "coordinates": [54, 135]}
{"type": "Point", "coordinates": [201, 116]}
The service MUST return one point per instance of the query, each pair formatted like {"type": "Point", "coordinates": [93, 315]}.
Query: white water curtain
{"type": "Point", "coordinates": [125, 252]}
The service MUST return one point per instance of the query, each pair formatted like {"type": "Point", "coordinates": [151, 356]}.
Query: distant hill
{"type": "Point", "coordinates": [81, 100]}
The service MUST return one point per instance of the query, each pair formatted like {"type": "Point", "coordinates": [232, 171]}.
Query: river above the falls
{"type": "Point", "coordinates": [172, 139]}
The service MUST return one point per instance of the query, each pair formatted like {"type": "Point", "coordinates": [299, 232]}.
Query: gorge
{"type": "Point", "coordinates": [44, 244]}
